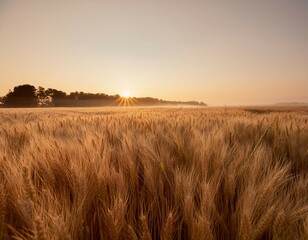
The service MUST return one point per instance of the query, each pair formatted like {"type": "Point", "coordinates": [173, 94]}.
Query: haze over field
{"type": "Point", "coordinates": [219, 52]}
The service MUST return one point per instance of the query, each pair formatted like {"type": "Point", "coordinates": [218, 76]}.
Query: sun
{"type": "Point", "coordinates": [126, 100]}
{"type": "Point", "coordinates": [126, 94]}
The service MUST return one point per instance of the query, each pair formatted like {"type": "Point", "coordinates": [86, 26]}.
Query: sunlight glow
{"type": "Point", "coordinates": [126, 94]}
{"type": "Point", "coordinates": [126, 99]}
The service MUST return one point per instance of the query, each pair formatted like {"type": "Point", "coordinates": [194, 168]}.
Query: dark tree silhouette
{"type": "Point", "coordinates": [44, 97]}
{"type": "Point", "coordinates": [58, 98]}
{"type": "Point", "coordinates": [21, 96]}
{"type": "Point", "coordinates": [28, 96]}
{"type": "Point", "coordinates": [73, 96]}
{"type": "Point", "coordinates": [56, 94]}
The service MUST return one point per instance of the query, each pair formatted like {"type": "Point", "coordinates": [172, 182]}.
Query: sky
{"type": "Point", "coordinates": [239, 52]}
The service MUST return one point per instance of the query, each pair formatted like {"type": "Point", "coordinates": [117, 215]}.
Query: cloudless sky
{"type": "Point", "coordinates": [219, 52]}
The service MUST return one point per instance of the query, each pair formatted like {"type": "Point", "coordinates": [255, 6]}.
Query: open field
{"type": "Point", "coordinates": [150, 173]}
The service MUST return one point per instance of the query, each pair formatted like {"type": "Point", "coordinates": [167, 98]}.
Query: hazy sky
{"type": "Point", "coordinates": [220, 52]}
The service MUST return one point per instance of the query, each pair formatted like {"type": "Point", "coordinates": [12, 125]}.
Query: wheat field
{"type": "Point", "coordinates": [154, 173]}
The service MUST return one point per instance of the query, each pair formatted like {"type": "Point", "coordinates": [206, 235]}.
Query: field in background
{"type": "Point", "coordinates": [138, 173]}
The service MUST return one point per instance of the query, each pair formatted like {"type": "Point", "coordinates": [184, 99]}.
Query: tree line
{"type": "Point", "coordinates": [29, 96]}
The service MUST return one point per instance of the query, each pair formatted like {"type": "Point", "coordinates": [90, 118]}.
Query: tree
{"type": "Point", "coordinates": [44, 97]}
{"type": "Point", "coordinates": [21, 96]}
{"type": "Point", "coordinates": [57, 97]}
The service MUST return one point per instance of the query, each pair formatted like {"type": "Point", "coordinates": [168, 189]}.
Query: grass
{"type": "Point", "coordinates": [126, 173]}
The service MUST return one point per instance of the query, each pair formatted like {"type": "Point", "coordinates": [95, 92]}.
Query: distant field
{"type": "Point", "coordinates": [154, 173]}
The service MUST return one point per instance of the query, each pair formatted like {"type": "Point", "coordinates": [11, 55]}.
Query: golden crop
{"type": "Point", "coordinates": [150, 173]}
